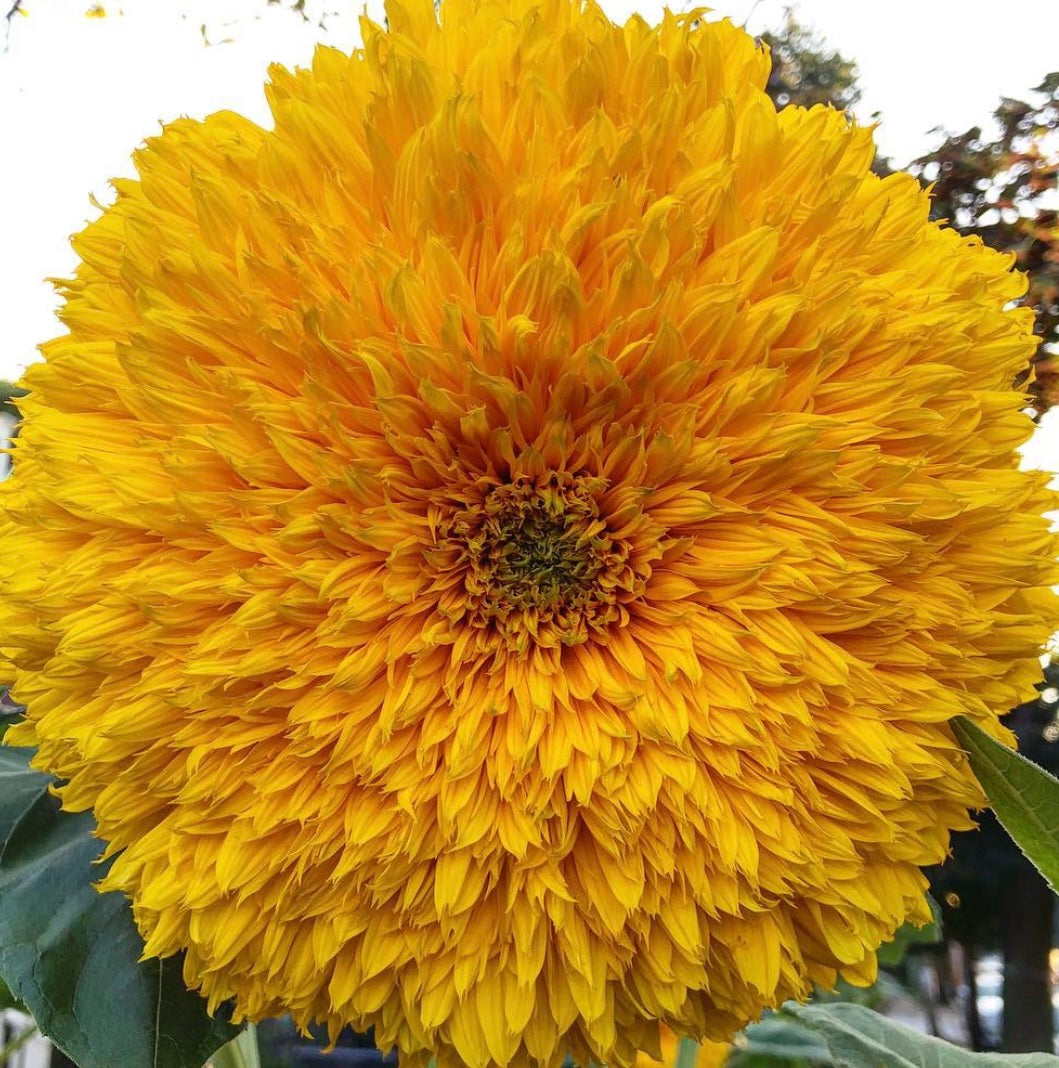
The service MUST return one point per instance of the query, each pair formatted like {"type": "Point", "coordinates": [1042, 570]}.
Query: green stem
{"type": "Point", "coordinates": [687, 1053]}
{"type": "Point", "coordinates": [241, 1052]}
{"type": "Point", "coordinates": [16, 1044]}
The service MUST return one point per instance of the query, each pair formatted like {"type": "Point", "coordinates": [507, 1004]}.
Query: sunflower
{"type": "Point", "coordinates": [498, 552]}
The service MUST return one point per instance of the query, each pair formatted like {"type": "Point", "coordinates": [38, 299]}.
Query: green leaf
{"type": "Point", "coordinates": [908, 934]}
{"type": "Point", "coordinates": [8, 393]}
{"type": "Point", "coordinates": [71, 954]}
{"type": "Point", "coordinates": [1024, 797]}
{"type": "Point", "coordinates": [27, 1035]}
{"type": "Point", "coordinates": [778, 1039]}
{"type": "Point", "coordinates": [9, 1001]}
{"type": "Point", "coordinates": [859, 1038]}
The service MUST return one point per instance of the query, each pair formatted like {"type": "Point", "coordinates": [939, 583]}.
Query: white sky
{"type": "Point", "coordinates": [77, 94]}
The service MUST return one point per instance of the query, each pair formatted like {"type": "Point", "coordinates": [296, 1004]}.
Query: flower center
{"type": "Point", "coordinates": [538, 563]}
{"type": "Point", "coordinates": [539, 550]}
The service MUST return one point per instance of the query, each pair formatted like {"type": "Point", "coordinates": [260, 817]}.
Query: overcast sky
{"type": "Point", "coordinates": [77, 94]}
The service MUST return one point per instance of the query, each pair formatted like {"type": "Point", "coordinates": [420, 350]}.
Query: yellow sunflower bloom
{"type": "Point", "coordinates": [499, 551]}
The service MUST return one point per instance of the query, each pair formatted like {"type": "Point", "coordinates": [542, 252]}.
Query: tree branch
{"type": "Point", "coordinates": [12, 11]}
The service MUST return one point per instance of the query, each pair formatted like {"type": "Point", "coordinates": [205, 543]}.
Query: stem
{"type": "Point", "coordinates": [687, 1053]}
{"type": "Point", "coordinates": [16, 1044]}
{"type": "Point", "coordinates": [241, 1052]}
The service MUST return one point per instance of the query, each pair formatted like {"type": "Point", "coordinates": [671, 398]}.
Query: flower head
{"type": "Point", "coordinates": [499, 551]}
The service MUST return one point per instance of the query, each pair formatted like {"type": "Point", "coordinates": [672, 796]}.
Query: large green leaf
{"type": "Point", "coordinates": [859, 1038]}
{"type": "Point", "coordinates": [778, 1039]}
{"type": "Point", "coordinates": [1024, 797]}
{"type": "Point", "coordinates": [71, 954]}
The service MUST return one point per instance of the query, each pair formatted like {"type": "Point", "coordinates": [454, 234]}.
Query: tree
{"type": "Point", "coordinates": [805, 71]}
{"type": "Point", "coordinates": [1002, 189]}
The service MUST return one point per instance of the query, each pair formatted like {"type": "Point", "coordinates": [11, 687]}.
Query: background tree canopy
{"type": "Point", "coordinates": [999, 186]}
{"type": "Point", "coordinates": [805, 71]}
{"type": "Point", "coordinates": [1002, 188]}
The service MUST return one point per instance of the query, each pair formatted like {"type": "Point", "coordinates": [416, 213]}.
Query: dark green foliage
{"type": "Point", "coordinates": [908, 935]}
{"type": "Point", "coordinates": [71, 955]}
{"type": "Point", "coordinates": [9, 393]}
{"type": "Point", "coordinates": [805, 71]}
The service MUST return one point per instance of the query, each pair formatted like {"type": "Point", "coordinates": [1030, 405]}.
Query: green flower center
{"type": "Point", "coordinates": [537, 562]}
{"type": "Point", "coordinates": [540, 549]}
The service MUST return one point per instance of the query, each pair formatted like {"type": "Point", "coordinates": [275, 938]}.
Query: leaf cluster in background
{"type": "Point", "coordinates": [9, 393]}
{"type": "Point", "coordinates": [308, 11]}
{"type": "Point", "coordinates": [805, 71]}
{"type": "Point", "coordinates": [1002, 187]}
